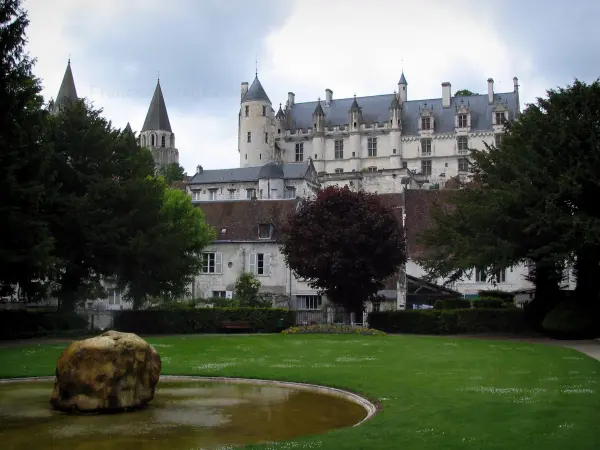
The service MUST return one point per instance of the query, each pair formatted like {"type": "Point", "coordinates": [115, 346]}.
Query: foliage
{"type": "Point", "coordinates": [172, 172]}
{"type": "Point", "coordinates": [21, 324]}
{"type": "Point", "coordinates": [464, 93]}
{"type": "Point", "coordinates": [344, 244]}
{"type": "Point", "coordinates": [532, 199]}
{"type": "Point", "coordinates": [202, 320]}
{"type": "Point", "coordinates": [505, 296]}
{"type": "Point", "coordinates": [572, 321]}
{"type": "Point", "coordinates": [452, 303]}
{"type": "Point", "coordinates": [332, 329]}
{"type": "Point", "coordinates": [487, 302]}
{"type": "Point", "coordinates": [26, 176]}
{"type": "Point", "coordinates": [246, 291]}
{"type": "Point", "coordinates": [450, 321]}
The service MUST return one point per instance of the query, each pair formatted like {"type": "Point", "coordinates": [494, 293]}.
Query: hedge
{"type": "Point", "coordinates": [572, 321]}
{"type": "Point", "coordinates": [22, 324]}
{"type": "Point", "coordinates": [488, 302]}
{"type": "Point", "coordinates": [201, 320]}
{"type": "Point", "coordinates": [450, 321]}
{"type": "Point", "coordinates": [452, 303]}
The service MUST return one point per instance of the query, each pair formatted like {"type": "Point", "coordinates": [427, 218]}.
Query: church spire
{"type": "Point", "coordinates": [157, 117]}
{"type": "Point", "coordinates": [67, 92]}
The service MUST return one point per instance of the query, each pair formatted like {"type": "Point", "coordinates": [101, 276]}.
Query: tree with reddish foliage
{"type": "Point", "coordinates": [345, 244]}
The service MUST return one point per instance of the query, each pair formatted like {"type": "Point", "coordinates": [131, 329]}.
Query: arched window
{"type": "Point", "coordinates": [172, 141]}
{"type": "Point", "coordinates": [143, 141]}
{"type": "Point", "coordinates": [162, 141]}
{"type": "Point", "coordinates": [152, 140]}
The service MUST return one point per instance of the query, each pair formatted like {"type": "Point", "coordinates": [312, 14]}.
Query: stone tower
{"type": "Point", "coordinates": [402, 88]}
{"type": "Point", "coordinates": [157, 134]}
{"type": "Point", "coordinates": [256, 126]}
{"type": "Point", "coordinates": [67, 92]}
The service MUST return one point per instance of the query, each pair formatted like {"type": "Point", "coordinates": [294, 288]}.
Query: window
{"type": "Point", "coordinates": [264, 231]}
{"type": "Point", "coordinates": [371, 169]}
{"type": "Point", "coordinates": [463, 165]}
{"type": "Point", "coordinates": [339, 149]}
{"type": "Point", "coordinates": [462, 121]}
{"type": "Point", "coordinates": [426, 166]}
{"type": "Point", "coordinates": [339, 170]}
{"type": "Point", "coordinates": [376, 306]}
{"type": "Point", "coordinates": [300, 151]}
{"type": "Point", "coordinates": [163, 141]}
{"type": "Point", "coordinates": [260, 264]}
{"type": "Point", "coordinates": [266, 138]}
{"type": "Point", "coordinates": [497, 140]}
{"type": "Point", "coordinates": [404, 165]}
{"type": "Point", "coordinates": [113, 296]}
{"type": "Point", "coordinates": [250, 194]}
{"type": "Point", "coordinates": [249, 137]}
{"type": "Point", "coordinates": [231, 194]}
{"type": "Point", "coordinates": [264, 111]}
{"type": "Point", "coordinates": [196, 196]}
{"type": "Point", "coordinates": [247, 110]}
{"type": "Point", "coordinates": [143, 141]}
{"type": "Point", "coordinates": [152, 140]}
{"type": "Point", "coordinates": [500, 118]}
{"type": "Point", "coordinates": [500, 276]}
{"type": "Point", "coordinates": [480, 276]}
{"type": "Point", "coordinates": [426, 147]}
{"type": "Point", "coordinates": [212, 262]}
{"type": "Point", "coordinates": [290, 192]}
{"type": "Point", "coordinates": [394, 151]}
{"type": "Point", "coordinates": [426, 123]}
{"type": "Point", "coordinates": [463, 145]}
{"type": "Point", "coordinates": [219, 294]}
{"type": "Point", "coordinates": [309, 301]}
{"type": "Point", "coordinates": [372, 146]}
{"type": "Point", "coordinates": [212, 194]}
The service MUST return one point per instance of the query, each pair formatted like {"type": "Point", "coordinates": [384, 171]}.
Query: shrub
{"type": "Point", "coordinates": [487, 302]}
{"type": "Point", "coordinates": [201, 320]}
{"type": "Point", "coordinates": [571, 321]}
{"type": "Point", "coordinates": [456, 321]}
{"type": "Point", "coordinates": [22, 324]}
{"type": "Point", "coordinates": [452, 303]}
{"type": "Point", "coordinates": [505, 296]}
{"type": "Point", "coordinates": [333, 329]}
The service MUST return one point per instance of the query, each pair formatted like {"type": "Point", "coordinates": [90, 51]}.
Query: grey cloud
{"type": "Point", "coordinates": [201, 49]}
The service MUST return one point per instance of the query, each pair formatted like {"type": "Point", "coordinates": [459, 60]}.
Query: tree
{"type": "Point", "coordinates": [246, 290]}
{"type": "Point", "coordinates": [165, 255]}
{"type": "Point", "coordinates": [464, 93]}
{"type": "Point", "coordinates": [172, 172]}
{"type": "Point", "coordinates": [345, 244]}
{"type": "Point", "coordinates": [26, 177]}
{"type": "Point", "coordinates": [533, 198]}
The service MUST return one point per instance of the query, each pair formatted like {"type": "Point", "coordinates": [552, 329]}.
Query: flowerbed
{"type": "Point", "coordinates": [333, 329]}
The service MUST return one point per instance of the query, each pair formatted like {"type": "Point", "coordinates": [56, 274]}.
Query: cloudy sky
{"type": "Point", "coordinates": [204, 49]}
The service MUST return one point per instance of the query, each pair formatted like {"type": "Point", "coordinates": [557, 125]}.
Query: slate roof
{"type": "Point", "coordinates": [291, 171]}
{"type": "Point", "coordinates": [157, 117]}
{"type": "Point", "coordinates": [240, 219]}
{"type": "Point", "coordinates": [271, 170]}
{"type": "Point", "coordinates": [402, 79]}
{"type": "Point", "coordinates": [375, 108]}
{"type": "Point", "coordinates": [256, 92]}
{"type": "Point", "coordinates": [67, 91]}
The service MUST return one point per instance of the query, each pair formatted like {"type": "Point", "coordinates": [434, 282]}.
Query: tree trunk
{"type": "Point", "coordinates": [546, 278]}
{"type": "Point", "coordinates": [587, 272]}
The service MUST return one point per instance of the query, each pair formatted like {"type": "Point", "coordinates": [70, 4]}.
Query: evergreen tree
{"type": "Point", "coordinates": [172, 172]}
{"type": "Point", "coordinates": [26, 178]}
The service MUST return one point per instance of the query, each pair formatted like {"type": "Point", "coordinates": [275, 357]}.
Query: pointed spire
{"type": "Point", "coordinates": [319, 109]}
{"type": "Point", "coordinates": [354, 106]}
{"type": "Point", "coordinates": [157, 117]}
{"type": "Point", "coordinates": [67, 91]}
{"type": "Point", "coordinates": [395, 103]}
{"type": "Point", "coordinates": [402, 79]}
{"type": "Point", "coordinates": [280, 114]}
{"type": "Point", "coordinates": [256, 92]}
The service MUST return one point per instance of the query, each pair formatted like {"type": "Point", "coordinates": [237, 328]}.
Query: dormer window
{"type": "Point", "coordinates": [500, 118]}
{"type": "Point", "coordinates": [463, 121]}
{"type": "Point", "coordinates": [426, 123]}
{"type": "Point", "coordinates": [265, 231]}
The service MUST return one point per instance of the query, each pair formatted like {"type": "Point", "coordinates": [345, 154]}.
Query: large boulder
{"type": "Point", "coordinates": [111, 372]}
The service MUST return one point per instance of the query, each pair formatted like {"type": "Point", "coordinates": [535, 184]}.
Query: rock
{"type": "Point", "coordinates": [111, 372]}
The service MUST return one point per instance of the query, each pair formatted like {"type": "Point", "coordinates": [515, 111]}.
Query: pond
{"type": "Point", "coordinates": [186, 414]}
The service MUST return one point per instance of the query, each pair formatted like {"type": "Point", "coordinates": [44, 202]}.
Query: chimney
{"type": "Point", "coordinates": [446, 94]}
{"type": "Point", "coordinates": [328, 96]}
{"type": "Point", "coordinates": [490, 90]}
{"type": "Point", "coordinates": [199, 168]}
{"type": "Point", "coordinates": [244, 88]}
{"type": "Point", "coordinates": [516, 84]}
{"type": "Point", "coordinates": [291, 99]}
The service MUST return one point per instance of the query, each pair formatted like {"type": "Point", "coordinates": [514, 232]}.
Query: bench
{"type": "Point", "coordinates": [237, 325]}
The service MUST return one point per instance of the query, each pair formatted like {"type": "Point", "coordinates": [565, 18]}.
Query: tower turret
{"type": "Point", "coordinates": [257, 123]}
{"type": "Point", "coordinates": [157, 134]}
{"type": "Point", "coordinates": [355, 118]}
{"type": "Point", "coordinates": [67, 92]}
{"type": "Point", "coordinates": [319, 137]}
{"type": "Point", "coordinates": [402, 88]}
{"type": "Point", "coordinates": [395, 132]}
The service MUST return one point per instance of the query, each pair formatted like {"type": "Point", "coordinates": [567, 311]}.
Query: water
{"type": "Point", "coordinates": [184, 415]}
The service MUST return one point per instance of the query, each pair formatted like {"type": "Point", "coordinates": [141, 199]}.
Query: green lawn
{"type": "Point", "coordinates": [436, 393]}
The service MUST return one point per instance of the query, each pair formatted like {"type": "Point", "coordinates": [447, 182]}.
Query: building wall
{"type": "Point", "coordinates": [258, 151]}
{"type": "Point", "coordinates": [239, 190]}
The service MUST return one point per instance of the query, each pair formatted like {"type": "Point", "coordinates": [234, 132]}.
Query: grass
{"type": "Point", "coordinates": [436, 393]}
